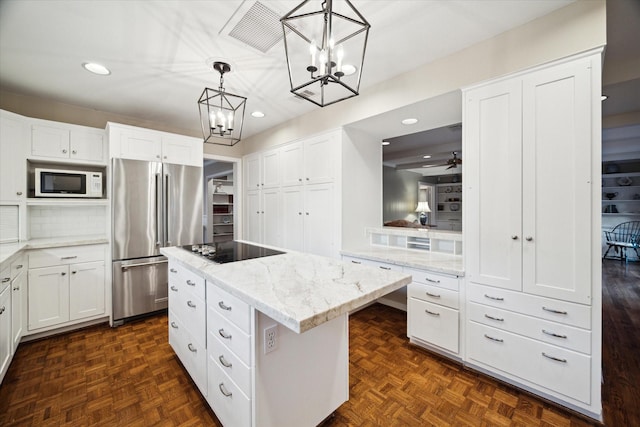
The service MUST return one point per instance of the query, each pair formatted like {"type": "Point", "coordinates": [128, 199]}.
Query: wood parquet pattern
{"type": "Point", "coordinates": [129, 376]}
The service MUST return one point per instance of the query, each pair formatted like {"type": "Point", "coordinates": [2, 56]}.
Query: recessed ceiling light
{"type": "Point", "coordinates": [96, 68]}
{"type": "Point", "coordinates": [385, 143]}
{"type": "Point", "coordinates": [426, 157]}
{"type": "Point", "coordinates": [410, 121]}
{"type": "Point", "coordinates": [603, 97]}
{"type": "Point", "coordinates": [348, 69]}
{"type": "Point", "coordinates": [258, 114]}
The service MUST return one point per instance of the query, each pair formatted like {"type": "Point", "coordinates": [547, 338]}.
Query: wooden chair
{"type": "Point", "coordinates": [623, 236]}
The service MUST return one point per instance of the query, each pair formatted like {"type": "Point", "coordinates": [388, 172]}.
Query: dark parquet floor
{"type": "Point", "coordinates": [129, 376]}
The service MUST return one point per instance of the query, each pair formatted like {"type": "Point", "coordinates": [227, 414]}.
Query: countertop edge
{"type": "Point", "coordinates": [426, 265]}
{"type": "Point", "coordinates": [9, 251]}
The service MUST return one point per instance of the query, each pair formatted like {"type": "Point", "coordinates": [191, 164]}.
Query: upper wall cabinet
{"type": "Point", "coordinates": [61, 142]}
{"type": "Point", "coordinates": [13, 129]}
{"type": "Point", "coordinates": [128, 142]}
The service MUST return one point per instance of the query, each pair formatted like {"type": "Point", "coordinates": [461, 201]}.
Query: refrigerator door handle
{"type": "Point", "coordinates": [158, 212]}
{"type": "Point", "coordinates": [167, 209]}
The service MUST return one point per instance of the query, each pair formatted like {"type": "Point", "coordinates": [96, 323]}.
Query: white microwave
{"type": "Point", "coordinates": [67, 183]}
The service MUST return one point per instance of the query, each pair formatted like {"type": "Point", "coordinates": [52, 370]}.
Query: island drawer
{"type": "Point", "coordinates": [434, 294]}
{"type": "Point", "coordinates": [433, 324]}
{"type": "Point", "coordinates": [192, 312]}
{"type": "Point", "coordinates": [192, 355]}
{"type": "Point", "coordinates": [230, 335]}
{"type": "Point", "coordinates": [231, 364]}
{"type": "Point", "coordinates": [186, 279]}
{"type": "Point", "coordinates": [542, 330]}
{"type": "Point", "coordinates": [229, 307]}
{"type": "Point", "coordinates": [230, 404]}
{"type": "Point", "coordinates": [433, 279]}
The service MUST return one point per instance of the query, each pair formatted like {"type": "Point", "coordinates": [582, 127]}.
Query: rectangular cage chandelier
{"type": "Point", "coordinates": [221, 113]}
{"type": "Point", "coordinates": [325, 43]}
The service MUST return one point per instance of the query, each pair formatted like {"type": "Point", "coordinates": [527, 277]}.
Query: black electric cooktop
{"type": "Point", "coordinates": [229, 251]}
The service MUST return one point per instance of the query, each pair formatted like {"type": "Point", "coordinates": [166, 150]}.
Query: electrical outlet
{"type": "Point", "coordinates": [270, 338]}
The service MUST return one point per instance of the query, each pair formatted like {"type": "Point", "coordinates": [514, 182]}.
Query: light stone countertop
{"type": "Point", "coordinates": [437, 262]}
{"type": "Point", "coordinates": [9, 251]}
{"type": "Point", "coordinates": [298, 290]}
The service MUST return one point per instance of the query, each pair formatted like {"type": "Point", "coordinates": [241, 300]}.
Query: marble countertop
{"type": "Point", "coordinates": [298, 290]}
{"type": "Point", "coordinates": [8, 251]}
{"type": "Point", "coordinates": [433, 261]}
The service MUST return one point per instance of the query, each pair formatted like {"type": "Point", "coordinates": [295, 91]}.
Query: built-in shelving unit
{"type": "Point", "coordinates": [221, 209]}
{"type": "Point", "coordinates": [425, 240]}
{"type": "Point", "coordinates": [621, 194]}
{"type": "Point", "coordinates": [449, 206]}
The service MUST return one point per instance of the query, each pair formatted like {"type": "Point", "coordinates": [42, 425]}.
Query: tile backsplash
{"type": "Point", "coordinates": [45, 221]}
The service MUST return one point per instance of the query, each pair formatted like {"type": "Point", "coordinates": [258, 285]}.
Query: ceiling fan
{"type": "Point", "coordinates": [452, 162]}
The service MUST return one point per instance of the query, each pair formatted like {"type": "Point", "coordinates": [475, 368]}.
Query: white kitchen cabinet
{"type": "Point", "coordinates": [293, 163]}
{"type": "Point", "coordinates": [63, 142]}
{"type": "Point", "coordinates": [262, 169]}
{"type": "Point", "coordinates": [13, 173]}
{"type": "Point", "coordinates": [252, 218]}
{"type": "Point", "coordinates": [66, 285]}
{"type": "Point", "coordinates": [318, 225]}
{"type": "Point", "coordinates": [270, 216]}
{"type": "Point", "coordinates": [5, 328]}
{"type": "Point", "coordinates": [253, 171]}
{"type": "Point", "coordinates": [532, 257]}
{"type": "Point", "coordinates": [18, 300]}
{"type": "Point", "coordinates": [129, 142]}
{"type": "Point", "coordinates": [311, 161]}
{"type": "Point", "coordinates": [293, 218]}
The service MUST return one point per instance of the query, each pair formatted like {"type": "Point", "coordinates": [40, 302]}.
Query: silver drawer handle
{"type": "Point", "coordinates": [433, 295]}
{"type": "Point", "coordinates": [557, 359]}
{"type": "Point", "coordinates": [384, 268]}
{"type": "Point", "coordinates": [498, 319]}
{"type": "Point", "coordinates": [222, 305]}
{"type": "Point", "coordinates": [224, 335]}
{"type": "Point", "coordinates": [6, 279]}
{"type": "Point", "coordinates": [173, 270]}
{"type": "Point", "coordinates": [493, 339]}
{"type": "Point", "coordinates": [63, 273]}
{"type": "Point", "coordinates": [224, 390]}
{"type": "Point", "coordinates": [190, 304]}
{"type": "Point", "coordinates": [69, 257]}
{"type": "Point", "coordinates": [494, 298]}
{"type": "Point", "coordinates": [431, 280]}
{"type": "Point", "coordinates": [173, 325]}
{"type": "Point", "coordinates": [356, 262]}
{"type": "Point", "coordinates": [224, 362]}
{"type": "Point", "coordinates": [553, 334]}
{"type": "Point", "coordinates": [174, 289]}
{"type": "Point", "coordinates": [19, 266]}
{"type": "Point", "coordinates": [431, 313]}
{"type": "Point", "coordinates": [551, 310]}
{"type": "Point", "coordinates": [190, 283]}
{"type": "Point", "coordinates": [192, 348]}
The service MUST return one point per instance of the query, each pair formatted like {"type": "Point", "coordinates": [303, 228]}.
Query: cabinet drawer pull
{"type": "Point", "coordinates": [356, 262]}
{"type": "Point", "coordinates": [514, 237]}
{"type": "Point", "coordinates": [431, 280]}
{"type": "Point", "coordinates": [64, 151]}
{"type": "Point", "coordinates": [174, 289]}
{"type": "Point", "coordinates": [493, 339]}
{"type": "Point", "coordinates": [494, 298]}
{"type": "Point", "coordinates": [553, 334]}
{"type": "Point", "coordinates": [6, 279]}
{"type": "Point", "coordinates": [498, 319]}
{"type": "Point", "coordinates": [224, 390]}
{"type": "Point", "coordinates": [173, 325]}
{"type": "Point", "coordinates": [19, 266]}
{"type": "Point", "coordinates": [63, 273]}
{"type": "Point", "coordinates": [74, 152]}
{"type": "Point", "coordinates": [190, 283]}
{"type": "Point", "coordinates": [192, 348]}
{"type": "Point", "coordinates": [529, 238]}
{"type": "Point", "coordinates": [551, 310]}
{"type": "Point", "coordinates": [224, 362]}
{"type": "Point", "coordinates": [173, 270]}
{"type": "Point", "coordinates": [69, 257]}
{"type": "Point", "coordinates": [384, 268]}
{"type": "Point", "coordinates": [557, 359]}
{"type": "Point", "coordinates": [224, 335]}
{"type": "Point", "coordinates": [2, 309]}
{"type": "Point", "coordinates": [190, 304]}
{"type": "Point", "coordinates": [432, 295]}
{"type": "Point", "coordinates": [222, 305]}
{"type": "Point", "coordinates": [431, 313]}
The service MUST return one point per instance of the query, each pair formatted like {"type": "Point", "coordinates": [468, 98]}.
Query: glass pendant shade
{"type": "Point", "coordinates": [325, 43]}
{"type": "Point", "coordinates": [221, 113]}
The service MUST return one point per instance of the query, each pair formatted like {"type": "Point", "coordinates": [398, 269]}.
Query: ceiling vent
{"type": "Point", "coordinates": [259, 27]}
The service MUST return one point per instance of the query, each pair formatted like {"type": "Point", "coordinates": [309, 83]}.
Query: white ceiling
{"type": "Point", "coordinates": [160, 52]}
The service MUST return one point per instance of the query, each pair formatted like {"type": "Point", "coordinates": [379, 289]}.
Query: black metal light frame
{"type": "Point", "coordinates": [330, 77]}
{"type": "Point", "coordinates": [217, 105]}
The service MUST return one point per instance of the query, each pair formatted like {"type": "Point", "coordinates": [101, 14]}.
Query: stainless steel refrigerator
{"type": "Point", "coordinates": [153, 205]}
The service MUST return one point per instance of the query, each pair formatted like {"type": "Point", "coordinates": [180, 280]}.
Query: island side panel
{"type": "Point", "coordinates": [305, 378]}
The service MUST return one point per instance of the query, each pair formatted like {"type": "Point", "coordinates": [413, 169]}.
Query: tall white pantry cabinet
{"type": "Point", "coordinates": [532, 230]}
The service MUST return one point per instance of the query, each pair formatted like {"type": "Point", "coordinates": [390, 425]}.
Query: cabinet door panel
{"type": "Point", "coordinates": [48, 141]}
{"type": "Point", "coordinates": [252, 166]}
{"type": "Point", "coordinates": [89, 146]}
{"type": "Point", "coordinates": [18, 289]}
{"type": "Point", "coordinates": [140, 145]}
{"type": "Point", "coordinates": [292, 218]}
{"type": "Point", "coordinates": [319, 159]}
{"type": "Point", "coordinates": [319, 228]}
{"type": "Point", "coordinates": [493, 195]}
{"type": "Point", "coordinates": [48, 296]}
{"type": "Point", "coordinates": [292, 162]}
{"type": "Point", "coordinates": [270, 214]}
{"type": "Point", "coordinates": [5, 330]}
{"type": "Point", "coordinates": [271, 169]}
{"type": "Point", "coordinates": [86, 290]}
{"type": "Point", "coordinates": [181, 150]}
{"type": "Point", "coordinates": [253, 217]}
{"type": "Point", "coordinates": [12, 163]}
{"type": "Point", "coordinates": [557, 182]}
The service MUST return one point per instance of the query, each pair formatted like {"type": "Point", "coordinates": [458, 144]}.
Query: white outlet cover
{"type": "Point", "coordinates": [270, 338]}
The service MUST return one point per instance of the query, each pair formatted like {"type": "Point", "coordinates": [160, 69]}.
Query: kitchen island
{"type": "Point", "coordinates": [266, 339]}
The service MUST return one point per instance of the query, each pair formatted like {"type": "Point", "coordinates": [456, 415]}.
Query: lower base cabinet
{"type": "Point", "coordinates": [5, 328]}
